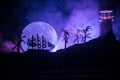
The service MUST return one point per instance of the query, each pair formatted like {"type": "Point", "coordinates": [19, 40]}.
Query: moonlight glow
{"type": "Point", "coordinates": [40, 28]}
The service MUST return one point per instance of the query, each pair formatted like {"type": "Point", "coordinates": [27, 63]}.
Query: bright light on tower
{"type": "Point", "coordinates": [106, 14]}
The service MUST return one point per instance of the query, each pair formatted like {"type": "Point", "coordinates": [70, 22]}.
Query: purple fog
{"type": "Point", "coordinates": [81, 17]}
{"type": "Point", "coordinates": [70, 15]}
{"type": "Point", "coordinates": [60, 14]}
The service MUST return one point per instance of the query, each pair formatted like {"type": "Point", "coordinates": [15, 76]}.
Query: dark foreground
{"type": "Point", "coordinates": [98, 58]}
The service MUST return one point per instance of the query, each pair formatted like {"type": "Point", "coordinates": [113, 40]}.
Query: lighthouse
{"type": "Point", "coordinates": [106, 19]}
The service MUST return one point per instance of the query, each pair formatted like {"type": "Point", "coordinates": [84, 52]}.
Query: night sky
{"type": "Point", "coordinates": [16, 14]}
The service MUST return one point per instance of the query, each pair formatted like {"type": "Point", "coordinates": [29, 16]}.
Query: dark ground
{"type": "Point", "coordinates": [98, 58]}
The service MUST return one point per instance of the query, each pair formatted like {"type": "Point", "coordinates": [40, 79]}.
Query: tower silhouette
{"type": "Point", "coordinates": [106, 18]}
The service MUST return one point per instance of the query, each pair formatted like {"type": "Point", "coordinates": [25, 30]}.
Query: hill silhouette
{"type": "Point", "coordinates": [96, 58]}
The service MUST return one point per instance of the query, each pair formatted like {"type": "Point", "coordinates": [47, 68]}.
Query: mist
{"type": "Point", "coordinates": [54, 12]}
{"type": "Point", "coordinates": [84, 14]}
{"type": "Point", "coordinates": [66, 14]}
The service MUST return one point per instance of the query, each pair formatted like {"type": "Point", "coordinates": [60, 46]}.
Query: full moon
{"type": "Point", "coordinates": [37, 31]}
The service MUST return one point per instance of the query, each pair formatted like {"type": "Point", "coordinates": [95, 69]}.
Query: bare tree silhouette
{"type": "Point", "coordinates": [18, 45]}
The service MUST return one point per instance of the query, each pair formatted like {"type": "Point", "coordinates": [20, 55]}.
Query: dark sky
{"type": "Point", "coordinates": [13, 12]}
{"type": "Point", "coordinates": [109, 4]}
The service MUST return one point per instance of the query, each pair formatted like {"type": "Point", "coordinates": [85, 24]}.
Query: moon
{"type": "Point", "coordinates": [42, 29]}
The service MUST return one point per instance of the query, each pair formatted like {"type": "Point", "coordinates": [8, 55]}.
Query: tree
{"type": "Point", "coordinates": [85, 34]}
{"type": "Point", "coordinates": [66, 35]}
{"type": "Point", "coordinates": [77, 36]}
